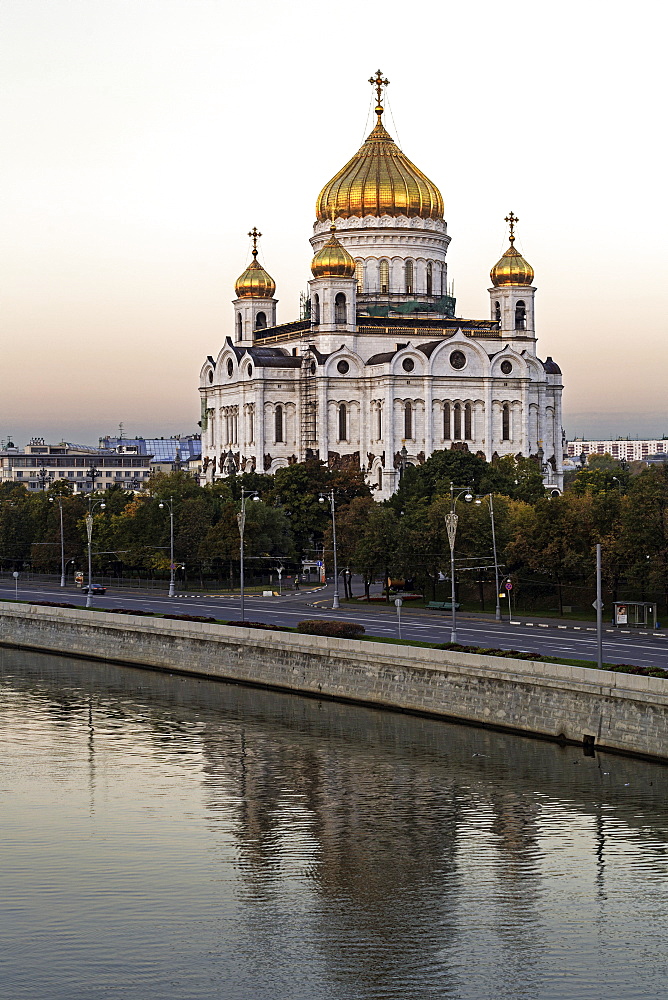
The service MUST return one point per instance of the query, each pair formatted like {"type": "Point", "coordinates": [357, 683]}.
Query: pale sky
{"type": "Point", "coordinates": [144, 138]}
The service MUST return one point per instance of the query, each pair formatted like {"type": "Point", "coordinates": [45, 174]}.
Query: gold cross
{"type": "Point", "coordinates": [254, 235]}
{"type": "Point", "coordinates": [378, 82]}
{"type": "Point", "coordinates": [511, 220]}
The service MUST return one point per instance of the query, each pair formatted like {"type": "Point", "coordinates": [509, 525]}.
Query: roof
{"type": "Point", "coordinates": [273, 357]}
{"type": "Point", "coordinates": [162, 449]}
{"type": "Point", "coordinates": [551, 367]}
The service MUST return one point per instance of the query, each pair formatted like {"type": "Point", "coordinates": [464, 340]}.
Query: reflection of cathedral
{"type": "Point", "coordinates": [379, 363]}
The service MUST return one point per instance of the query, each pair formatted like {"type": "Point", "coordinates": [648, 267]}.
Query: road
{"type": "Point", "coordinates": [558, 639]}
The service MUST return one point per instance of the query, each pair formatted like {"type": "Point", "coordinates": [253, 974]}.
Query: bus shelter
{"type": "Point", "coordinates": [635, 614]}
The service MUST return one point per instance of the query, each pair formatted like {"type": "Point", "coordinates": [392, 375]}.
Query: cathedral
{"type": "Point", "coordinates": [379, 372]}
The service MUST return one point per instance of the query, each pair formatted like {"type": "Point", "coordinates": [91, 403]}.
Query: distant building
{"type": "Point", "coordinates": [39, 465]}
{"type": "Point", "coordinates": [167, 455]}
{"type": "Point", "coordinates": [621, 448]}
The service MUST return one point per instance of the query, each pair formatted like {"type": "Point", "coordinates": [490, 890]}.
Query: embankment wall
{"type": "Point", "coordinates": [622, 712]}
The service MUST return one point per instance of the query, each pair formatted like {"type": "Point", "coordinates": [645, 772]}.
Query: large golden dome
{"type": "Point", "coordinates": [379, 180]}
{"type": "Point", "coordinates": [512, 268]}
{"type": "Point", "coordinates": [333, 260]}
{"type": "Point", "coordinates": [255, 282]}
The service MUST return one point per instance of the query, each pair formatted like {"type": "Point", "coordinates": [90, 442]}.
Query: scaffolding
{"type": "Point", "coordinates": [308, 406]}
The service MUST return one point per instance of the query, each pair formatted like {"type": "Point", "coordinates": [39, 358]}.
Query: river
{"type": "Point", "coordinates": [164, 838]}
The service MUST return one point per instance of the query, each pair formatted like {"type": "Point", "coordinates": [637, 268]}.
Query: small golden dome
{"type": "Point", "coordinates": [333, 260]}
{"type": "Point", "coordinates": [512, 269]}
{"type": "Point", "coordinates": [379, 180]}
{"type": "Point", "coordinates": [255, 282]}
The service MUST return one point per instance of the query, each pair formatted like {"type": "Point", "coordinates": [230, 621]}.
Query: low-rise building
{"type": "Point", "coordinates": [624, 449]}
{"type": "Point", "coordinates": [39, 465]}
{"type": "Point", "coordinates": [167, 454]}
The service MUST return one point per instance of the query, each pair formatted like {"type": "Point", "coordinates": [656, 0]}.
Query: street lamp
{"type": "Point", "coordinates": [89, 532]}
{"type": "Point", "coordinates": [92, 474]}
{"type": "Point", "coordinates": [59, 501]}
{"type": "Point", "coordinates": [241, 521]}
{"type": "Point", "coordinates": [323, 499]}
{"type": "Point", "coordinates": [44, 476]}
{"type": "Point", "coordinates": [451, 520]}
{"type": "Point", "coordinates": [490, 501]}
{"type": "Point", "coordinates": [170, 505]}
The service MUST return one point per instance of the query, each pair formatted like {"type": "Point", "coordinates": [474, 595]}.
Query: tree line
{"type": "Point", "coordinates": [545, 543]}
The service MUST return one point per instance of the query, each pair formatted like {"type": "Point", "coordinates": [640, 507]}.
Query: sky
{"type": "Point", "coordinates": [143, 139]}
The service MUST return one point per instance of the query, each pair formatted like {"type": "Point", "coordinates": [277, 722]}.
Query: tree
{"type": "Point", "coordinates": [376, 551]}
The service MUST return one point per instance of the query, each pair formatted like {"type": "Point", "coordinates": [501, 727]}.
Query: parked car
{"type": "Point", "coordinates": [95, 588]}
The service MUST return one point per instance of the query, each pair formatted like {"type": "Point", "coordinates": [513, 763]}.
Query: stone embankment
{"type": "Point", "coordinates": [622, 712]}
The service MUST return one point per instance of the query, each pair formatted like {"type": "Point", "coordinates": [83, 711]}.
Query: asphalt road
{"type": "Point", "coordinates": [556, 639]}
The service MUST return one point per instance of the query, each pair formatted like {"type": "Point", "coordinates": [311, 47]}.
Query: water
{"type": "Point", "coordinates": [171, 839]}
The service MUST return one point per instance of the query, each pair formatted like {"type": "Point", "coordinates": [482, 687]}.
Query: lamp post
{"type": "Point", "coordinates": [92, 474]}
{"type": "Point", "coordinates": [490, 502]}
{"type": "Point", "coordinates": [323, 499]}
{"type": "Point", "coordinates": [241, 521]}
{"type": "Point", "coordinates": [59, 501]}
{"type": "Point", "coordinates": [89, 532]}
{"type": "Point", "coordinates": [170, 506]}
{"type": "Point", "coordinates": [451, 520]}
{"type": "Point", "coordinates": [44, 476]}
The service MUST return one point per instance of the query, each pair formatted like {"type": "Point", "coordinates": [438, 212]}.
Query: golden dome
{"type": "Point", "coordinates": [333, 260]}
{"type": "Point", "coordinates": [379, 180]}
{"type": "Point", "coordinates": [255, 282]}
{"type": "Point", "coordinates": [512, 269]}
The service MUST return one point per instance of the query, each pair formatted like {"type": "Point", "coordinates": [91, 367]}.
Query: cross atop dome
{"type": "Point", "coordinates": [511, 220]}
{"type": "Point", "coordinates": [378, 82]}
{"type": "Point", "coordinates": [255, 235]}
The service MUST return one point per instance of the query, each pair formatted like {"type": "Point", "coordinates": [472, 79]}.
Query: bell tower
{"type": "Point", "coordinates": [512, 294]}
{"type": "Point", "coordinates": [255, 305]}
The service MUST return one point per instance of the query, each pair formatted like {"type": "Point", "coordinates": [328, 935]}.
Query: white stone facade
{"type": "Point", "coordinates": [381, 364]}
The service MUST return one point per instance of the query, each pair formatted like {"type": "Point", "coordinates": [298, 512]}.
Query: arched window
{"type": "Point", "coordinates": [316, 308]}
{"type": "Point", "coordinates": [379, 435]}
{"type": "Point", "coordinates": [430, 277]}
{"type": "Point", "coordinates": [520, 316]}
{"type": "Point", "coordinates": [278, 424]}
{"type": "Point", "coordinates": [343, 422]}
{"type": "Point", "coordinates": [251, 425]}
{"type": "Point", "coordinates": [505, 422]}
{"type": "Point", "coordinates": [240, 327]}
{"type": "Point", "coordinates": [457, 436]}
{"type": "Point", "coordinates": [384, 277]}
{"type": "Point", "coordinates": [467, 422]}
{"type": "Point", "coordinates": [261, 321]}
{"type": "Point", "coordinates": [446, 422]}
{"type": "Point", "coordinates": [408, 273]}
{"type": "Point", "coordinates": [359, 275]}
{"type": "Point", "coordinates": [380, 477]}
{"type": "Point", "coordinates": [497, 312]}
{"type": "Point", "coordinates": [444, 282]}
{"type": "Point", "coordinates": [340, 310]}
{"type": "Point", "coordinates": [408, 421]}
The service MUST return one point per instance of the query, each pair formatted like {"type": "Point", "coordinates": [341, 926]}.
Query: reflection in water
{"type": "Point", "coordinates": [180, 838]}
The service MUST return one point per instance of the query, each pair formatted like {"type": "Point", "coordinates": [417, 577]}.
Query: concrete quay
{"type": "Point", "coordinates": [625, 713]}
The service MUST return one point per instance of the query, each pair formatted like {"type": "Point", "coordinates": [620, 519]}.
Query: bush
{"type": "Point", "coordinates": [127, 611]}
{"type": "Point", "coordinates": [192, 618]}
{"type": "Point", "coordinates": [54, 604]}
{"type": "Point", "coordinates": [270, 628]}
{"type": "Point", "coordinates": [337, 630]}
